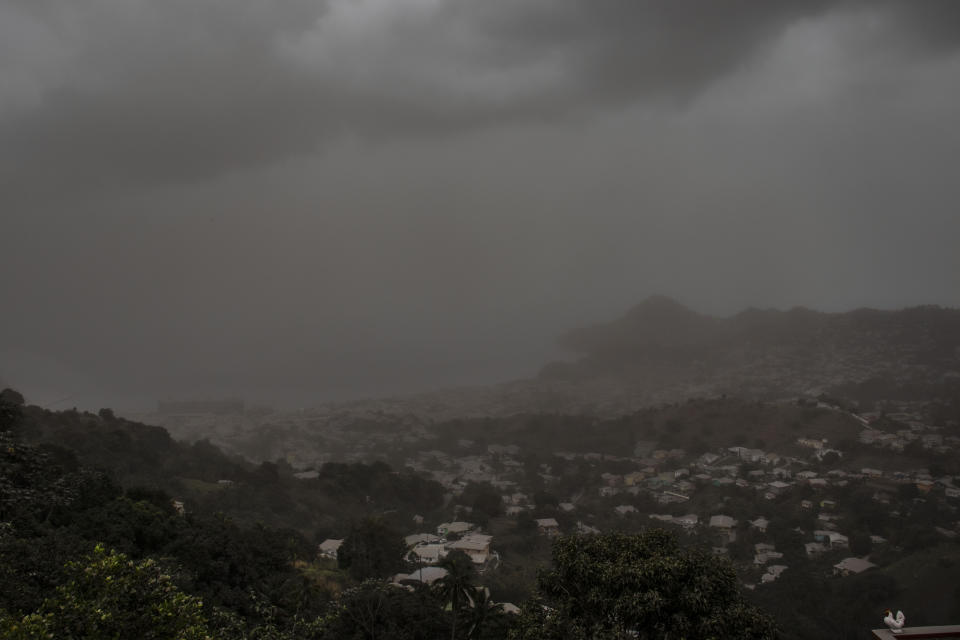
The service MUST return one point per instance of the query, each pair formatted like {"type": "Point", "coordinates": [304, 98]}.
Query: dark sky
{"type": "Point", "coordinates": [303, 200]}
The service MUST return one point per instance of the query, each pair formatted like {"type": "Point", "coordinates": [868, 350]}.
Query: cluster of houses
{"type": "Point", "coordinates": [913, 429]}
{"type": "Point", "coordinates": [426, 550]}
{"type": "Point", "coordinates": [672, 478]}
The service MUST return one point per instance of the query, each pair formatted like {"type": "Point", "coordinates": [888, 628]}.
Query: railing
{"type": "Point", "coordinates": [952, 631]}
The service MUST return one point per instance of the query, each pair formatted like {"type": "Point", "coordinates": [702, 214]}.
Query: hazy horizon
{"type": "Point", "coordinates": [328, 199]}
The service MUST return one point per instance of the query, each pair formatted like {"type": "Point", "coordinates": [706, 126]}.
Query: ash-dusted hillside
{"type": "Point", "coordinates": [661, 346]}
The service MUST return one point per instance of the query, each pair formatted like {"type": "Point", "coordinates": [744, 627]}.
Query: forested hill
{"type": "Point", "coordinates": [206, 479]}
{"type": "Point", "coordinates": [660, 344]}
{"type": "Point", "coordinates": [84, 554]}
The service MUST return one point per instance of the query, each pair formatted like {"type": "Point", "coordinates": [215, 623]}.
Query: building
{"type": "Point", "coordinates": [475, 545]}
{"type": "Point", "coordinates": [722, 522]}
{"type": "Point", "coordinates": [420, 538]}
{"type": "Point", "coordinates": [329, 548]}
{"type": "Point", "coordinates": [773, 572]}
{"type": "Point", "coordinates": [548, 527]}
{"type": "Point", "coordinates": [426, 575]}
{"type": "Point", "coordinates": [430, 553]}
{"type": "Point", "coordinates": [726, 526]}
{"type": "Point", "coordinates": [760, 524]}
{"type": "Point", "coordinates": [851, 566]}
{"type": "Point", "coordinates": [457, 528]}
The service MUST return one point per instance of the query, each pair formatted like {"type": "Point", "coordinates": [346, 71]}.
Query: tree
{"type": "Point", "coordinates": [110, 596]}
{"type": "Point", "coordinates": [641, 586]}
{"type": "Point", "coordinates": [457, 588]}
{"type": "Point", "coordinates": [484, 499]}
{"type": "Point", "coordinates": [375, 610]}
{"type": "Point", "coordinates": [371, 550]}
{"type": "Point", "coordinates": [860, 543]}
{"type": "Point", "coordinates": [11, 408]}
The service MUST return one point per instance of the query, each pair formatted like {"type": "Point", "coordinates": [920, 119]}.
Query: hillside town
{"type": "Point", "coordinates": [809, 503]}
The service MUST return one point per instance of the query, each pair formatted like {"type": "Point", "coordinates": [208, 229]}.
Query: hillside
{"type": "Point", "coordinates": [662, 348]}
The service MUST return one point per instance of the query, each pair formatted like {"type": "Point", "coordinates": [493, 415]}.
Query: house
{"type": "Point", "coordinates": [806, 475]}
{"type": "Point", "coordinates": [420, 538]}
{"type": "Point", "coordinates": [871, 473]}
{"type": "Point", "coordinates": [764, 547]}
{"type": "Point", "coordinates": [548, 527]}
{"type": "Point", "coordinates": [763, 558]}
{"type": "Point", "coordinates": [475, 545]}
{"type": "Point", "coordinates": [585, 529]}
{"type": "Point", "coordinates": [817, 483]}
{"type": "Point", "coordinates": [806, 504]}
{"type": "Point", "coordinates": [612, 479]}
{"type": "Point", "coordinates": [514, 510]}
{"type": "Point", "coordinates": [778, 487]}
{"type": "Point", "coordinates": [606, 492]}
{"type": "Point", "coordinates": [822, 535]}
{"type": "Point", "coordinates": [760, 524]}
{"type": "Point", "coordinates": [430, 553]}
{"type": "Point", "coordinates": [458, 528]}
{"type": "Point", "coordinates": [773, 572]}
{"type": "Point", "coordinates": [633, 478]}
{"type": "Point", "coordinates": [750, 455]}
{"type": "Point", "coordinates": [566, 507]}
{"type": "Point", "coordinates": [426, 575]}
{"type": "Point", "coordinates": [688, 521]}
{"type": "Point", "coordinates": [814, 549]}
{"type": "Point", "coordinates": [726, 526]}
{"type": "Point", "coordinates": [624, 509]}
{"type": "Point", "coordinates": [329, 548]}
{"type": "Point", "coordinates": [708, 458]}
{"type": "Point", "coordinates": [722, 522]}
{"type": "Point", "coordinates": [851, 566]}
{"type": "Point", "coordinates": [838, 540]}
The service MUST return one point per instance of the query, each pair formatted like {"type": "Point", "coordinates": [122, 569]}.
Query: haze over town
{"type": "Point", "coordinates": [322, 200]}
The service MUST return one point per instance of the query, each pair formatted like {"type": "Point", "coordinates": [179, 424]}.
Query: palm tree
{"type": "Point", "coordinates": [483, 609]}
{"type": "Point", "coordinates": [457, 587]}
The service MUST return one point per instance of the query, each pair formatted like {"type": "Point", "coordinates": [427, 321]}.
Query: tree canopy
{"type": "Point", "coordinates": [638, 586]}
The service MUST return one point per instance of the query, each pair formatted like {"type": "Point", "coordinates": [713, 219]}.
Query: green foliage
{"type": "Point", "coordinates": [645, 586]}
{"type": "Point", "coordinates": [457, 588]}
{"type": "Point", "coordinates": [378, 610]}
{"type": "Point", "coordinates": [372, 550]}
{"type": "Point", "coordinates": [484, 499]}
{"type": "Point", "coordinates": [110, 596]}
{"type": "Point", "coordinates": [11, 408]}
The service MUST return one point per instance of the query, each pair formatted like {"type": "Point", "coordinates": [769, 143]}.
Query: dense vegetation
{"type": "Point", "coordinates": [91, 528]}
{"type": "Point", "coordinates": [92, 545]}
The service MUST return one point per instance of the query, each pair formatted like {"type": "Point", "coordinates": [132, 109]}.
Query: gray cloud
{"type": "Point", "coordinates": [125, 94]}
{"type": "Point", "coordinates": [307, 199]}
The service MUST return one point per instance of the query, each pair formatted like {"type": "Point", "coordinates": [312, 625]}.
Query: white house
{"type": "Point", "coordinates": [475, 545]}
{"type": "Point", "coordinates": [849, 566]}
{"type": "Point", "coordinates": [329, 548]}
